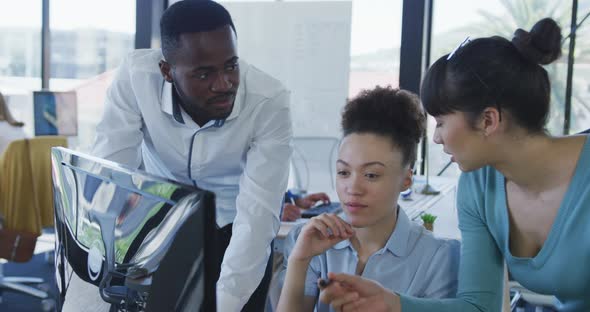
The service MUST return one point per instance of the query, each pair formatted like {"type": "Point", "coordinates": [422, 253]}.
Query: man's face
{"type": "Point", "coordinates": [205, 73]}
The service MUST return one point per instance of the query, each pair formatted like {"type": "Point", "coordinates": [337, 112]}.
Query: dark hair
{"type": "Point", "coordinates": [5, 114]}
{"type": "Point", "coordinates": [495, 72]}
{"type": "Point", "coordinates": [188, 16]}
{"type": "Point", "coordinates": [392, 113]}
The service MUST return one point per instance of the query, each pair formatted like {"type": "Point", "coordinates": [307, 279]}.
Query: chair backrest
{"type": "Point", "coordinates": [313, 165]}
{"type": "Point", "coordinates": [26, 193]}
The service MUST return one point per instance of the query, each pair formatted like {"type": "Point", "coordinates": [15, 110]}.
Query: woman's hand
{"type": "Point", "coordinates": [353, 293]}
{"type": "Point", "coordinates": [290, 213]}
{"type": "Point", "coordinates": [319, 234]}
{"type": "Point", "coordinates": [308, 201]}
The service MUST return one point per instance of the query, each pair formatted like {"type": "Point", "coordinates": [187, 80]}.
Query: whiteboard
{"type": "Point", "coordinates": [306, 45]}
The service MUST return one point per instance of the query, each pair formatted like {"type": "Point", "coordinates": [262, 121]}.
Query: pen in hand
{"type": "Point", "coordinates": [324, 282]}
{"type": "Point", "coordinates": [291, 197]}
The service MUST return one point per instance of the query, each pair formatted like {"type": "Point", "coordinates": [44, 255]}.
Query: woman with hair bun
{"type": "Point", "coordinates": [375, 239]}
{"type": "Point", "coordinates": [524, 195]}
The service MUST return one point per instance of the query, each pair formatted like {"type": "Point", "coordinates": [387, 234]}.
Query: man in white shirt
{"type": "Point", "coordinates": [194, 113]}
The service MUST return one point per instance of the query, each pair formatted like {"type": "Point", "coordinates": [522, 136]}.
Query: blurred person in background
{"type": "Point", "coordinates": [10, 129]}
{"type": "Point", "coordinates": [294, 204]}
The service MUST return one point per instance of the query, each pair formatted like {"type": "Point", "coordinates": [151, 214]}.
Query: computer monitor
{"type": "Point", "coordinates": [146, 242]}
{"type": "Point", "coordinates": [55, 113]}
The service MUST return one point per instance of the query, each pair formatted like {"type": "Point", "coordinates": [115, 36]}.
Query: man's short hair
{"type": "Point", "coordinates": [190, 16]}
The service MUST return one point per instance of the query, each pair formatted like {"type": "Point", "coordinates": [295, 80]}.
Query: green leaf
{"type": "Point", "coordinates": [428, 218]}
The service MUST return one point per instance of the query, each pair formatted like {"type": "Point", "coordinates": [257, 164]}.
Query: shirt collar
{"type": "Point", "coordinates": [171, 107]}
{"type": "Point", "coordinates": [241, 94]}
{"type": "Point", "coordinates": [397, 243]}
{"type": "Point", "coordinates": [399, 239]}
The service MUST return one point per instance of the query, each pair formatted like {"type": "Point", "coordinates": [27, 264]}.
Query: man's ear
{"type": "Point", "coordinates": [165, 69]}
{"type": "Point", "coordinates": [490, 121]}
{"type": "Point", "coordinates": [407, 182]}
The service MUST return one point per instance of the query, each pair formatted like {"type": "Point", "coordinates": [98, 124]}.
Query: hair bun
{"type": "Point", "coordinates": [542, 44]}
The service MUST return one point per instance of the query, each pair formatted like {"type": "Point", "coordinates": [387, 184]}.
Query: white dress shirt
{"type": "Point", "coordinates": [244, 159]}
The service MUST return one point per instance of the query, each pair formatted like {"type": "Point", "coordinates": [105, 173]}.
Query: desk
{"type": "Point", "coordinates": [417, 205]}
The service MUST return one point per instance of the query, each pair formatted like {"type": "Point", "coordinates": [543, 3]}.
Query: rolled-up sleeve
{"type": "Point", "coordinates": [119, 135]}
{"type": "Point", "coordinates": [262, 186]}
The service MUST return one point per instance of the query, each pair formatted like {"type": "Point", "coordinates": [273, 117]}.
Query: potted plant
{"type": "Point", "coordinates": [428, 220]}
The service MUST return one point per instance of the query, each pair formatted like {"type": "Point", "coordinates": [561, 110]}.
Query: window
{"type": "Point", "coordinates": [88, 40]}
{"type": "Point", "coordinates": [375, 44]}
{"type": "Point", "coordinates": [20, 57]}
{"type": "Point", "coordinates": [328, 71]}
{"type": "Point", "coordinates": [580, 112]}
{"type": "Point", "coordinates": [20, 46]}
{"type": "Point", "coordinates": [487, 18]}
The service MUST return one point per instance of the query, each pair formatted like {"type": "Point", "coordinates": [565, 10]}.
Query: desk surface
{"type": "Point", "coordinates": [414, 207]}
{"type": "Point", "coordinates": [420, 203]}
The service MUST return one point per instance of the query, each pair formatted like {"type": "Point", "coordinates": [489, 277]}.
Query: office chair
{"type": "Point", "coordinates": [26, 203]}
{"type": "Point", "coordinates": [313, 164]}
{"type": "Point", "coordinates": [524, 299]}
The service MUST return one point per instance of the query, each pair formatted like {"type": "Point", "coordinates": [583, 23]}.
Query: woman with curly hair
{"type": "Point", "coordinates": [375, 239]}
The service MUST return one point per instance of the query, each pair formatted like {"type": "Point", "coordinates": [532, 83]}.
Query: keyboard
{"type": "Point", "coordinates": [318, 210]}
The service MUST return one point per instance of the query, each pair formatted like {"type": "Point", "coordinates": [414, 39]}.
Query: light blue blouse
{"type": "Point", "coordinates": [413, 262]}
{"type": "Point", "coordinates": [560, 268]}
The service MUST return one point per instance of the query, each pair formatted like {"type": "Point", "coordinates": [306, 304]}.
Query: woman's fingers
{"type": "Point", "coordinates": [347, 299]}
{"type": "Point", "coordinates": [321, 226]}
{"type": "Point", "coordinates": [331, 226]}
{"type": "Point", "coordinates": [310, 200]}
{"type": "Point", "coordinates": [354, 305]}
{"type": "Point", "coordinates": [331, 292]}
{"type": "Point", "coordinates": [352, 282]}
{"type": "Point", "coordinates": [348, 227]}
{"type": "Point", "coordinates": [291, 216]}
{"type": "Point", "coordinates": [291, 212]}
{"type": "Point", "coordinates": [319, 196]}
{"type": "Point", "coordinates": [345, 228]}
{"type": "Point", "coordinates": [335, 224]}
{"type": "Point", "coordinates": [340, 223]}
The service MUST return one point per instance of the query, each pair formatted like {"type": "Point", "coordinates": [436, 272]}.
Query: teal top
{"type": "Point", "coordinates": [560, 268]}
